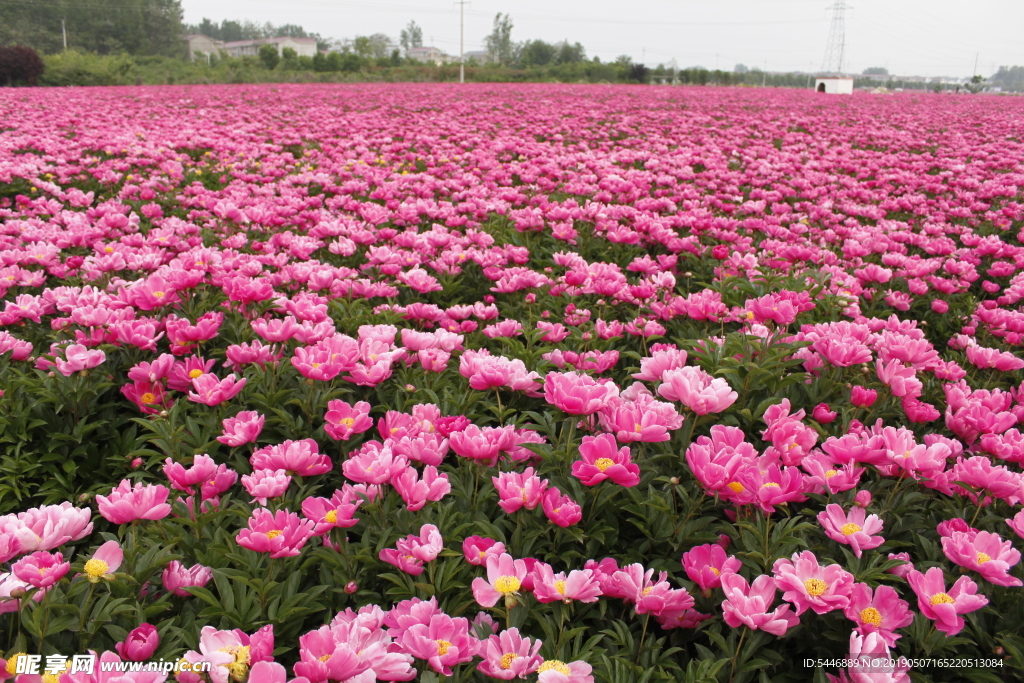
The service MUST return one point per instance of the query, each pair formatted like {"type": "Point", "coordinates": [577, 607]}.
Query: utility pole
{"type": "Point", "coordinates": [64, 31]}
{"type": "Point", "coordinates": [462, 34]}
{"type": "Point", "coordinates": [975, 73]}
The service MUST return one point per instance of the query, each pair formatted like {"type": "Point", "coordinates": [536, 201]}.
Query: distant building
{"type": "Point", "coordinates": [201, 46]}
{"type": "Point", "coordinates": [204, 45]}
{"type": "Point", "coordinates": [304, 47]}
{"type": "Point", "coordinates": [834, 85]}
{"type": "Point", "coordinates": [478, 56]}
{"type": "Point", "coordinates": [430, 55]}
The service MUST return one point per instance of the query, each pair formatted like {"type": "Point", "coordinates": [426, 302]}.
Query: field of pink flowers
{"type": "Point", "coordinates": [557, 383]}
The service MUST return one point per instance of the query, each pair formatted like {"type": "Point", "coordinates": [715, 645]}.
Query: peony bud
{"type": "Point", "coordinates": [863, 398]}
{"type": "Point", "coordinates": [351, 587]}
{"type": "Point", "coordinates": [823, 414]}
{"type": "Point", "coordinates": [862, 499]}
{"type": "Point", "coordinates": [140, 644]}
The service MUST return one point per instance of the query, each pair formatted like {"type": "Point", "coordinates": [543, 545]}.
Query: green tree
{"type": "Point", "coordinates": [876, 71]}
{"type": "Point", "coordinates": [411, 36]}
{"type": "Point", "coordinates": [289, 59]}
{"type": "Point", "coordinates": [537, 53]}
{"type": "Point", "coordinates": [139, 27]}
{"type": "Point", "coordinates": [362, 46]}
{"type": "Point", "coordinates": [269, 56]}
{"type": "Point", "coordinates": [570, 54]}
{"type": "Point", "coordinates": [499, 42]}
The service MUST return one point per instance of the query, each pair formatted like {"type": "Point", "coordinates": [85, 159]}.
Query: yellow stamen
{"type": "Point", "coordinates": [507, 659]}
{"type": "Point", "coordinates": [815, 587]}
{"type": "Point", "coordinates": [192, 374]}
{"type": "Point", "coordinates": [983, 558]}
{"type": "Point", "coordinates": [603, 463]}
{"type": "Point", "coordinates": [849, 529]}
{"type": "Point", "coordinates": [12, 663]}
{"type": "Point", "coordinates": [941, 599]}
{"type": "Point", "coordinates": [331, 516]}
{"type": "Point", "coordinates": [148, 398]}
{"type": "Point", "coordinates": [831, 473]}
{"type": "Point", "coordinates": [560, 587]}
{"type": "Point", "coordinates": [273, 533]}
{"type": "Point", "coordinates": [554, 665]}
{"type": "Point", "coordinates": [870, 615]}
{"type": "Point", "coordinates": [96, 568]}
{"type": "Point", "coordinates": [442, 647]}
{"type": "Point", "coordinates": [736, 487]}
{"type": "Point", "coordinates": [507, 584]}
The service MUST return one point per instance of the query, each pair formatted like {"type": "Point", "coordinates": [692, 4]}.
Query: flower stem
{"type": "Point", "coordinates": [643, 636]}
{"type": "Point", "coordinates": [735, 656]}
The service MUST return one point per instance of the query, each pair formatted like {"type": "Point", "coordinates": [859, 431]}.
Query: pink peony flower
{"type": "Point", "coordinates": [518, 490]}
{"type": "Point", "coordinates": [416, 491]}
{"type": "Point", "coordinates": [344, 420]}
{"type": "Point", "coordinates": [184, 478]}
{"type": "Point", "coordinates": [941, 607]}
{"type": "Point", "coordinates": [175, 577]}
{"type": "Point", "coordinates": [264, 484]}
{"type": "Point", "coordinates": [281, 533]}
{"type": "Point", "coordinates": [243, 428]}
{"type": "Point", "coordinates": [697, 390]}
{"type": "Point", "coordinates": [127, 504]}
{"type": "Point", "coordinates": [374, 465]}
{"type": "Point", "coordinates": [444, 642]}
{"type": "Point", "coordinates": [851, 528]}
{"type": "Point", "coordinates": [505, 578]}
{"type": "Point", "coordinates": [580, 585]}
{"type": "Point", "coordinates": [507, 656]}
{"type": "Point", "coordinates": [808, 585]}
{"type": "Point", "coordinates": [560, 510]}
{"type": "Point", "coordinates": [334, 513]}
{"type": "Point", "coordinates": [140, 643]}
{"type": "Point", "coordinates": [477, 549]}
{"type": "Point", "coordinates": [79, 358]}
{"type": "Point", "coordinates": [874, 662]}
{"type": "Point", "coordinates": [985, 553]}
{"type": "Point", "coordinates": [577, 394]}
{"type": "Point", "coordinates": [299, 458]}
{"type": "Point", "coordinates": [211, 391]}
{"type": "Point", "coordinates": [555, 671]}
{"type": "Point", "coordinates": [863, 398]}
{"type": "Point", "coordinates": [601, 460]}
{"type": "Point", "coordinates": [881, 612]}
{"type": "Point", "coordinates": [823, 414]}
{"type": "Point", "coordinates": [705, 565]}
{"type": "Point", "coordinates": [41, 569]}
{"type": "Point", "coordinates": [749, 605]}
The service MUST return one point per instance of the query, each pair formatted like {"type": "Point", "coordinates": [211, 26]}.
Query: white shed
{"type": "Point", "coordinates": [834, 85]}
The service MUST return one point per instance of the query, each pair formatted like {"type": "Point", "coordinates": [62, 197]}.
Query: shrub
{"type": "Point", "coordinates": [20, 64]}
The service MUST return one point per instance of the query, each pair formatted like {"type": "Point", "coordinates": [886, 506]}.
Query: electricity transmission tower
{"type": "Point", "coordinates": [835, 51]}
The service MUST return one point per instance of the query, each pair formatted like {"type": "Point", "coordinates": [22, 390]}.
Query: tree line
{"type": "Point", "coordinates": [137, 27]}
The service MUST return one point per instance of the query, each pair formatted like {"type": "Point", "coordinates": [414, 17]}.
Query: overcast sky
{"type": "Point", "coordinates": [909, 37]}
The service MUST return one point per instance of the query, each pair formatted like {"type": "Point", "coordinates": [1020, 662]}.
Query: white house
{"type": "Point", "coordinates": [430, 55]}
{"type": "Point", "coordinates": [200, 44]}
{"type": "Point", "coordinates": [834, 85]}
{"type": "Point", "coordinates": [304, 47]}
